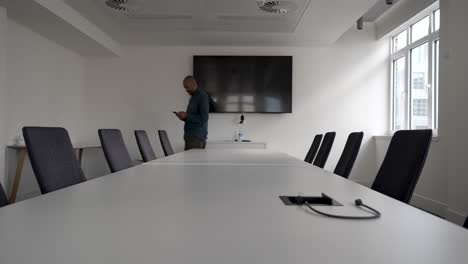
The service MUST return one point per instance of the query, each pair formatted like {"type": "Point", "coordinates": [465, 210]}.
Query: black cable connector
{"type": "Point", "coordinates": [375, 213]}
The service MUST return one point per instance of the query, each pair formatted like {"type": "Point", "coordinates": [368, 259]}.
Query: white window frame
{"type": "Point", "coordinates": [405, 52]}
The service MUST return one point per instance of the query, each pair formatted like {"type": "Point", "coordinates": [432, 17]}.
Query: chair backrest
{"type": "Point", "coordinates": [324, 150]}
{"type": "Point", "coordinates": [144, 144]}
{"type": "Point", "coordinates": [53, 158]}
{"type": "Point", "coordinates": [165, 143]}
{"type": "Point", "coordinates": [349, 155]}
{"type": "Point", "coordinates": [3, 197]}
{"type": "Point", "coordinates": [115, 151]}
{"type": "Point", "coordinates": [403, 164]}
{"type": "Point", "coordinates": [313, 148]}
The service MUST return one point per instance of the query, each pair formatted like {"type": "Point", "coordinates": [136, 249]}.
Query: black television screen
{"type": "Point", "coordinates": [246, 84]}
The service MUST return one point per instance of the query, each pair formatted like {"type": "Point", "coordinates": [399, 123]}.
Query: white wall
{"type": "Point", "coordinates": [343, 88]}
{"type": "Point", "coordinates": [453, 102]}
{"type": "Point", "coordinates": [45, 83]}
{"type": "Point", "coordinates": [3, 89]}
{"type": "Point", "coordinates": [45, 87]}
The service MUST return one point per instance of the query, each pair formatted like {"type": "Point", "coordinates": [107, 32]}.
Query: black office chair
{"type": "Point", "coordinates": [324, 150]}
{"type": "Point", "coordinates": [144, 144]}
{"type": "Point", "coordinates": [115, 151]}
{"type": "Point", "coordinates": [3, 197]}
{"type": "Point", "coordinates": [350, 152]}
{"type": "Point", "coordinates": [403, 164]}
{"type": "Point", "coordinates": [466, 223]}
{"type": "Point", "coordinates": [313, 148]}
{"type": "Point", "coordinates": [165, 143]}
{"type": "Point", "coordinates": [52, 158]}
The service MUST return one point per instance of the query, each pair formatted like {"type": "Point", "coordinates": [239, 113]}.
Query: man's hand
{"type": "Point", "coordinates": [182, 115]}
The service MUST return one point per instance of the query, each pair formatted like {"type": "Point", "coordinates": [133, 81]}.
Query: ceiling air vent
{"type": "Point", "coordinates": [117, 4]}
{"type": "Point", "coordinates": [277, 6]}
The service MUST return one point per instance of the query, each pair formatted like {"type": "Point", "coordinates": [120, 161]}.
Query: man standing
{"type": "Point", "coordinates": [196, 117]}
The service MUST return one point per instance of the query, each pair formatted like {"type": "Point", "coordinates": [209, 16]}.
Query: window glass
{"type": "Point", "coordinates": [400, 41]}
{"type": "Point", "coordinates": [437, 20]}
{"type": "Point", "coordinates": [419, 87]}
{"type": "Point", "coordinates": [399, 94]}
{"type": "Point", "coordinates": [420, 107]}
{"type": "Point", "coordinates": [418, 81]}
{"type": "Point", "coordinates": [420, 29]}
{"type": "Point", "coordinates": [414, 60]}
{"type": "Point", "coordinates": [436, 85]}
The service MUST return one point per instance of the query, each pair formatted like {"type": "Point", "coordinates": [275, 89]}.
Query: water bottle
{"type": "Point", "coordinates": [240, 133]}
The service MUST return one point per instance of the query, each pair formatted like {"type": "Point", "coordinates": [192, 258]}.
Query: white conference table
{"type": "Point", "coordinates": [230, 157]}
{"type": "Point", "coordinates": [211, 214]}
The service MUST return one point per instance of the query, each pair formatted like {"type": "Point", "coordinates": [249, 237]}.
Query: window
{"type": "Point", "coordinates": [420, 107]}
{"type": "Point", "coordinates": [400, 41]}
{"type": "Point", "coordinates": [420, 87]}
{"type": "Point", "coordinates": [418, 81]}
{"type": "Point", "coordinates": [420, 29]}
{"type": "Point", "coordinates": [437, 20]}
{"type": "Point", "coordinates": [399, 95]}
{"type": "Point", "coordinates": [415, 74]}
{"type": "Point", "coordinates": [436, 85]}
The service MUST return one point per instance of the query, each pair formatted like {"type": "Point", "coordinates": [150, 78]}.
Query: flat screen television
{"type": "Point", "coordinates": [246, 84]}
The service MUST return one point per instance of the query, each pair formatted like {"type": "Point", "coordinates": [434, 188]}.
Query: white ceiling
{"type": "Point", "coordinates": [377, 10]}
{"type": "Point", "coordinates": [207, 15]}
{"type": "Point", "coordinates": [223, 22]}
{"type": "Point", "coordinates": [58, 22]}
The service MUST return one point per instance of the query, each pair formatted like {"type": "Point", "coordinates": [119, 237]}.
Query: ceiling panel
{"type": "Point", "coordinates": [211, 22]}
{"type": "Point", "coordinates": [200, 15]}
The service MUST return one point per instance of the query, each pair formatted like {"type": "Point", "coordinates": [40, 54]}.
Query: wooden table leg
{"type": "Point", "coordinates": [19, 170]}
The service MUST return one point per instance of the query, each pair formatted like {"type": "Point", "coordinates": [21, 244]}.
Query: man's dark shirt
{"type": "Point", "coordinates": [196, 124]}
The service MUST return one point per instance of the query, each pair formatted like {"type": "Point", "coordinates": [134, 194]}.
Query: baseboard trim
{"type": "Point", "coordinates": [28, 195]}
{"type": "Point", "coordinates": [368, 184]}
{"type": "Point", "coordinates": [455, 217]}
{"type": "Point", "coordinates": [438, 208]}
{"type": "Point", "coordinates": [429, 205]}
{"type": "Point", "coordinates": [422, 202]}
